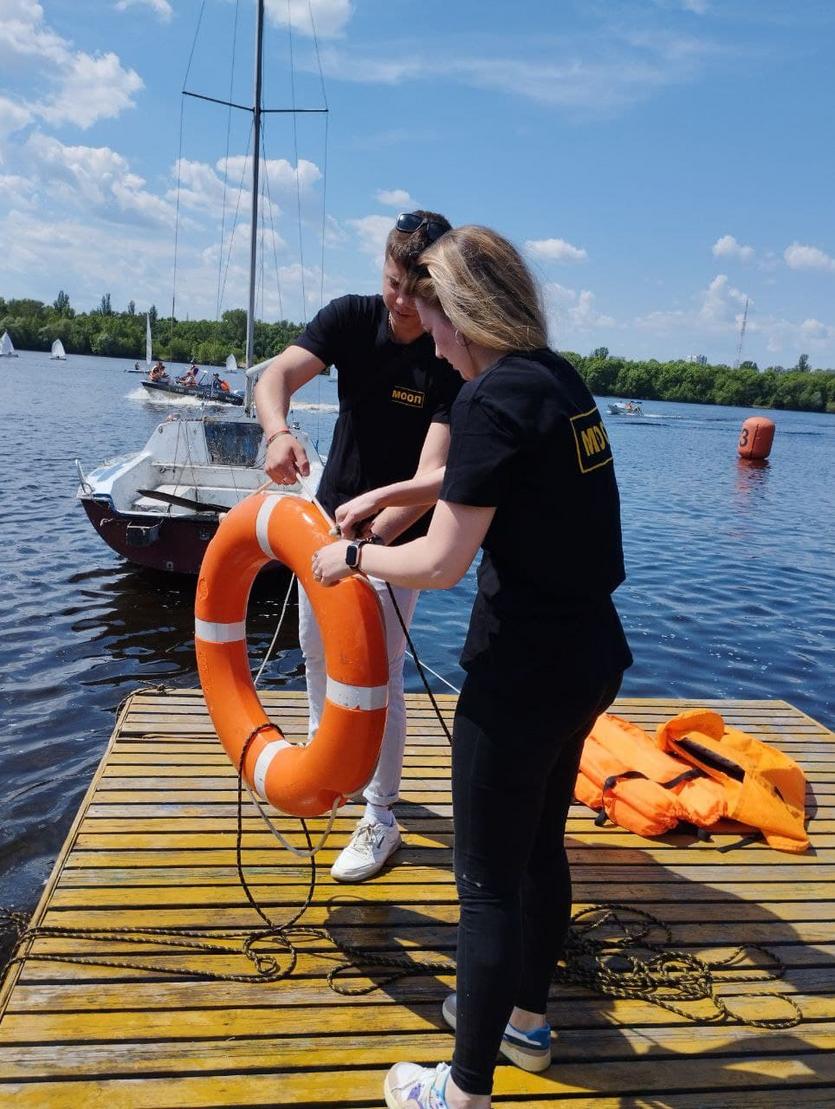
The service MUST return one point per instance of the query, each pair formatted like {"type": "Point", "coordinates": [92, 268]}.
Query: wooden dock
{"type": "Point", "coordinates": [154, 846]}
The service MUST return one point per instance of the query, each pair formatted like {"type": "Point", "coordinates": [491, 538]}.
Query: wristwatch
{"type": "Point", "coordinates": [352, 555]}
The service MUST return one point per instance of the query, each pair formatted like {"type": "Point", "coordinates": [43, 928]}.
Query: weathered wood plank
{"type": "Point", "coordinates": [154, 845]}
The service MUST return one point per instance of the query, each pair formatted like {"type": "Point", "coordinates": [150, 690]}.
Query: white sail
{"type": "Point", "coordinates": [231, 364]}
{"type": "Point", "coordinates": [7, 349]}
{"type": "Point", "coordinates": [58, 350]}
{"type": "Point", "coordinates": [148, 345]}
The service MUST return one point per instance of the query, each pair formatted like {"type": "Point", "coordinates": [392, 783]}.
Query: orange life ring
{"type": "Point", "coordinates": [309, 779]}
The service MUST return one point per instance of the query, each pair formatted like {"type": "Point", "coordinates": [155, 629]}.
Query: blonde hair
{"type": "Point", "coordinates": [484, 288]}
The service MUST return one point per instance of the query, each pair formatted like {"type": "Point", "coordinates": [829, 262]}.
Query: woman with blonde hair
{"type": "Point", "coordinates": [529, 479]}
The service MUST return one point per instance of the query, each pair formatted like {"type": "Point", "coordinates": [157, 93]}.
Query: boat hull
{"type": "Point", "coordinates": [170, 544]}
{"type": "Point", "coordinates": [213, 395]}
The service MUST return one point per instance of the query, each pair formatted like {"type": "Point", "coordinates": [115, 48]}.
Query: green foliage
{"type": "Point", "coordinates": [62, 304]}
{"type": "Point", "coordinates": [803, 389]}
{"type": "Point", "coordinates": [34, 325]}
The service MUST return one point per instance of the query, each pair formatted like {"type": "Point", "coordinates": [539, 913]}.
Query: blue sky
{"type": "Point", "coordinates": [659, 161]}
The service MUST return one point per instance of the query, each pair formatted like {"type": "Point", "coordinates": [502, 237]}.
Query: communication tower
{"type": "Point", "coordinates": [741, 335]}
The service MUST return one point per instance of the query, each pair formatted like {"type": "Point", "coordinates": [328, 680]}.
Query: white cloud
{"type": "Point", "coordinates": [728, 247]}
{"type": "Point", "coordinates": [719, 300]}
{"type": "Point", "coordinates": [161, 7]}
{"type": "Point", "coordinates": [616, 70]}
{"type": "Point", "coordinates": [573, 311]}
{"type": "Point", "coordinates": [96, 180]}
{"type": "Point", "coordinates": [13, 117]}
{"type": "Point", "coordinates": [330, 17]}
{"type": "Point", "coordinates": [17, 190]}
{"type": "Point", "coordinates": [800, 257]}
{"type": "Point", "coordinates": [22, 34]}
{"type": "Point", "coordinates": [814, 329]}
{"type": "Point", "coordinates": [395, 198]}
{"type": "Point", "coordinates": [716, 310]}
{"type": "Point", "coordinates": [92, 89]}
{"type": "Point", "coordinates": [555, 250]}
{"type": "Point", "coordinates": [371, 232]}
{"type": "Point", "coordinates": [87, 87]}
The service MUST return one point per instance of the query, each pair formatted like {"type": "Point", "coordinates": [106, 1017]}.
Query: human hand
{"type": "Point", "coordinates": [285, 458]}
{"type": "Point", "coordinates": [329, 565]}
{"type": "Point", "coordinates": [352, 515]}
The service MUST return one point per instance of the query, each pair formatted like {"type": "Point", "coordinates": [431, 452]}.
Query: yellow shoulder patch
{"type": "Point", "coordinates": [591, 440]}
{"type": "Point", "coordinates": [414, 398]}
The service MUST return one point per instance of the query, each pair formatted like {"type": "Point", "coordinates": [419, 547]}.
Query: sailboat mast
{"type": "Point", "coordinates": [256, 158]}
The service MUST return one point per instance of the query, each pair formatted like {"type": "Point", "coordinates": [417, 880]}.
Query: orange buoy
{"type": "Point", "coordinates": [300, 780]}
{"type": "Point", "coordinates": [756, 437]}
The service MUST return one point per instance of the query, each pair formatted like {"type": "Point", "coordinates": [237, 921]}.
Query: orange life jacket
{"type": "Point", "coordinates": [695, 770]}
{"type": "Point", "coordinates": [763, 787]}
{"type": "Point", "coordinates": [625, 777]}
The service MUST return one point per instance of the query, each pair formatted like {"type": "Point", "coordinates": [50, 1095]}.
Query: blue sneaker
{"type": "Point", "coordinates": [529, 1050]}
{"type": "Point", "coordinates": [409, 1086]}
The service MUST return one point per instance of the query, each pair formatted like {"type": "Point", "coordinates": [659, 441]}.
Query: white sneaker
{"type": "Point", "coordinates": [370, 846]}
{"type": "Point", "coordinates": [409, 1086]}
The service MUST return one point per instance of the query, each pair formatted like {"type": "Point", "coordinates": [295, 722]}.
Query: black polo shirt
{"type": "Point", "coordinates": [389, 394]}
{"type": "Point", "coordinates": [528, 440]}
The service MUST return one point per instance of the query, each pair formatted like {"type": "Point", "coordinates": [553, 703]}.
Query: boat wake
{"type": "Point", "coordinates": [164, 400]}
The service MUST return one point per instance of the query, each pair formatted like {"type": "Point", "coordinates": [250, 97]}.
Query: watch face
{"type": "Point", "coordinates": [352, 555]}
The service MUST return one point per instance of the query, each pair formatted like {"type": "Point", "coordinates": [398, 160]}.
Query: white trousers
{"type": "Point", "coordinates": [384, 787]}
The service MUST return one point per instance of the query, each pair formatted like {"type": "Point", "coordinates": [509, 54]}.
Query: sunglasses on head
{"type": "Point", "coordinates": [412, 221]}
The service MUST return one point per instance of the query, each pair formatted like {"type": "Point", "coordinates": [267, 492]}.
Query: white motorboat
{"type": "Point", "coordinates": [630, 408]}
{"type": "Point", "coordinates": [159, 507]}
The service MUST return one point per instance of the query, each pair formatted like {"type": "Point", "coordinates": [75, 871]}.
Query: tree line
{"type": "Point", "coordinates": [801, 388]}
{"type": "Point", "coordinates": [34, 325]}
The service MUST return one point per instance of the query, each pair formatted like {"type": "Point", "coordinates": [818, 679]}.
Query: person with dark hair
{"type": "Point", "coordinates": [530, 479]}
{"type": "Point", "coordinates": [394, 403]}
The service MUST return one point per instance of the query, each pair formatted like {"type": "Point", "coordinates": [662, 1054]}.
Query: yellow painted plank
{"type": "Point", "coordinates": [154, 845]}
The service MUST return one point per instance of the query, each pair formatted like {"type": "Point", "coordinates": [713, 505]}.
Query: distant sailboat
{"type": "Point", "coordinates": [149, 358]}
{"type": "Point", "coordinates": [58, 351]}
{"type": "Point", "coordinates": [7, 349]}
{"type": "Point", "coordinates": [231, 364]}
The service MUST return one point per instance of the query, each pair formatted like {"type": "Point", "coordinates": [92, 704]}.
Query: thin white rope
{"type": "Point", "coordinates": [302, 853]}
{"type": "Point", "coordinates": [269, 208]}
{"type": "Point", "coordinates": [226, 162]}
{"type": "Point", "coordinates": [435, 673]}
{"type": "Point", "coordinates": [277, 630]}
{"type": "Point", "coordinates": [296, 155]}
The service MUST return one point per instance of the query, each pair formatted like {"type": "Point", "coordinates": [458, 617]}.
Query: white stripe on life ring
{"type": "Point", "coordinates": [263, 763]}
{"type": "Point", "coordinates": [357, 696]}
{"type": "Point", "coordinates": [211, 631]}
{"type": "Point", "coordinates": [262, 523]}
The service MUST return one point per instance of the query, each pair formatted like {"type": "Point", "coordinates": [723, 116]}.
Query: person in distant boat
{"type": "Point", "coordinates": [219, 384]}
{"type": "Point", "coordinates": [189, 378]}
{"type": "Point", "coordinates": [136, 366]}
{"type": "Point", "coordinates": [158, 371]}
{"type": "Point", "coordinates": [530, 479]}
{"type": "Point", "coordinates": [394, 398]}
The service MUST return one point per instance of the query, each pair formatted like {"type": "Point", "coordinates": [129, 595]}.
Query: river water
{"type": "Point", "coordinates": [730, 593]}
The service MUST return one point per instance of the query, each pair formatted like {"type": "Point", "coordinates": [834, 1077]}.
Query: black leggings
{"type": "Point", "coordinates": [513, 774]}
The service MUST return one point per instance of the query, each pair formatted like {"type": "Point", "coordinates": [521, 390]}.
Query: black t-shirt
{"type": "Point", "coordinates": [389, 394]}
{"type": "Point", "coordinates": [528, 440]}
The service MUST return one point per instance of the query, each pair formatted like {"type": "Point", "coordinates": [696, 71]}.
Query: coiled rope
{"type": "Point", "coordinates": [610, 949]}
